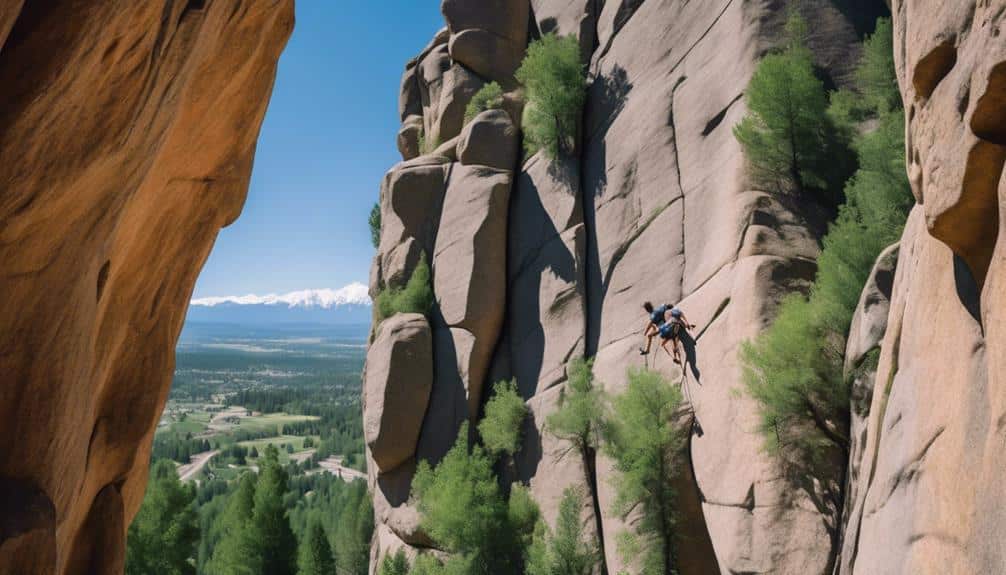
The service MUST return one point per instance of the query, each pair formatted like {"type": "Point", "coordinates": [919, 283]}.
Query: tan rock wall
{"type": "Point", "coordinates": [654, 204]}
{"type": "Point", "coordinates": [930, 490]}
{"type": "Point", "coordinates": [127, 133]}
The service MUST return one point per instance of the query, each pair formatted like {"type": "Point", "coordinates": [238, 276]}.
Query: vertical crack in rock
{"type": "Point", "coordinates": [681, 190]}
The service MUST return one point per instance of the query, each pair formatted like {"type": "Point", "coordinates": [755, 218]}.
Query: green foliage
{"type": "Point", "coordinates": [316, 553]}
{"type": "Point", "coordinates": [876, 69]}
{"type": "Point", "coordinates": [788, 137]}
{"type": "Point", "coordinates": [555, 89]}
{"type": "Point", "coordinates": [275, 543]}
{"type": "Point", "coordinates": [522, 516]}
{"type": "Point", "coordinates": [375, 224]}
{"type": "Point", "coordinates": [164, 533]}
{"type": "Point", "coordinates": [344, 511]}
{"type": "Point", "coordinates": [233, 553]}
{"type": "Point", "coordinates": [256, 534]}
{"type": "Point", "coordinates": [415, 297]}
{"type": "Point", "coordinates": [488, 97]}
{"type": "Point", "coordinates": [580, 415]}
{"type": "Point", "coordinates": [396, 564]}
{"type": "Point", "coordinates": [504, 416]}
{"type": "Point", "coordinates": [644, 444]}
{"type": "Point", "coordinates": [465, 513]}
{"type": "Point", "coordinates": [563, 552]}
{"type": "Point", "coordinates": [794, 370]}
{"type": "Point", "coordinates": [460, 502]}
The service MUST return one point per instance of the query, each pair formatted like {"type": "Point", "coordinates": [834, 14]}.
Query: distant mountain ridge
{"type": "Point", "coordinates": [347, 305]}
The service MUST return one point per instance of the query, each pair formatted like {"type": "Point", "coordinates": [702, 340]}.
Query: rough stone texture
{"type": "Point", "coordinates": [409, 137]}
{"type": "Point", "coordinates": [565, 17]}
{"type": "Point", "coordinates": [928, 498]}
{"type": "Point", "coordinates": [490, 139]}
{"type": "Point", "coordinates": [469, 271]}
{"type": "Point", "coordinates": [127, 132]}
{"type": "Point", "coordinates": [545, 274]}
{"type": "Point", "coordinates": [655, 204]}
{"type": "Point", "coordinates": [488, 37]}
{"type": "Point", "coordinates": [671, 217]}
{"type": "Point", "coordinates": [399, 376]}
{"type": "Point", "coordinates": [869, 324]}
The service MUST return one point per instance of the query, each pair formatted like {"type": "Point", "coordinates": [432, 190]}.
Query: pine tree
{"type": "Point", "coordinates": [316, 553]}
{"type": "Point", "coordinates": [165, 532]}
{"type": "Point", "coordinates": [501, 428]}
{"type": "Point", "coordinates": [645, 443]}
{"type": "Point", "coordinates": [555, 89]}
{"type": "Point", "coordinates": [374, 220]}
{"type": "Point", "coordinates": [563, 552]}
{"type": "Point", "coordinates": [787, 136]}
{"type": "Point", "coordinates": [276, 543]}
{"type": "Point", "coordinates": [396, 564]}
{"type": "Point", "coordinates": [234, 553]}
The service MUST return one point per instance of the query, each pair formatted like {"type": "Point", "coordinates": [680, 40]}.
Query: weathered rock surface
{"type": "Point", "coordinates": [656, 205]}
{"type": "Point", "coordinates": [396, 388]}
{"type": "Point", "coordinates": [929, 494]}
{"type": "Point", "coordinates": [490, 139]}
{"type": "Point", "coordinates": [127, 133]}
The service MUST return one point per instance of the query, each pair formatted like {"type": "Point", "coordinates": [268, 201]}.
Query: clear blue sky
{"type": "Point", "coordinates": [327, 140]}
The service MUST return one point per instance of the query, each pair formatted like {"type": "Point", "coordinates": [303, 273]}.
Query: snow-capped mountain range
{"type": "Point", "coordinates": [349, 304]}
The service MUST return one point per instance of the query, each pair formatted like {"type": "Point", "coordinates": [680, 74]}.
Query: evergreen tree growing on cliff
{"type": "Point", "coordinates": [165, 532]}
{"type": "Point", "coordinates": [464, 511]}
{"type": "Point", "coordinates": [579, 419]}
{"type": "Point", "coordinates": [645, 444]}
{"type": "Point", "coordinates": [374, 220]}
{"type": "Point", "coordinates": [563, 551]}
{"type": "Point", "coordinates": [787, 136]}
{"type": "Point", "coordinates": [794, 370]}
{"type": "Point", "coordinates": [555, 89]}
{"type": "Point", "coordinates": [501, 427]}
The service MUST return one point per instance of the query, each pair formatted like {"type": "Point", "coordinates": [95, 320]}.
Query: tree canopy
{"type": "Point", "coordinates": [555, 88]}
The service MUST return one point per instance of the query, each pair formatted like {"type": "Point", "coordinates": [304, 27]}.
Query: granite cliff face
{"type": "Point", "coordinates": [926, 494]}
{"type": "Point", "coordinates": [536, 261]}
{"type": "Point", "coordinates": [127, 133]}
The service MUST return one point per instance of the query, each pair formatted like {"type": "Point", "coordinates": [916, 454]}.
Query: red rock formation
{"type": "Point", "coordinates": [127, 133]}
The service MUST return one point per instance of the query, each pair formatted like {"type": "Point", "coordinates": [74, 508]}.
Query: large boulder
{"type": "Point", "coordinates": [127, 139]}
{"type": "Point", "coordinates": [490, 139]}
{"type": "Point", "coordinates": [412, 194]}
{"type": "Point", "coordinates": [410, 137]}
{"type": "Point", "coordinates": [488, 37]}
{"type": "Point", "coordinates": [396, 389]}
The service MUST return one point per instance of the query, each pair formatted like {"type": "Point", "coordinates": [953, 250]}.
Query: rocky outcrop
{"type": "Point", "coordinates": [127, 133]}
{"type": "Point", "coordinates": [653, 204]}
{"type": "Point", "coordinates": [396, 389]}
{"type": "Point", "coordinates": [928, 497]}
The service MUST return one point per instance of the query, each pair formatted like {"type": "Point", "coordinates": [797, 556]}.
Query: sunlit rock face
{"type": "Point", "coordinates": [652, 204]}
{"type": "Point", "coordinates": [127, 133]}
{"type": "Point", "coordinates": [929, 495]}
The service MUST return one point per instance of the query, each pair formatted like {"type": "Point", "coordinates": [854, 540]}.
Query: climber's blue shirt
{"type": "Point", "coordinates": [657, 315]}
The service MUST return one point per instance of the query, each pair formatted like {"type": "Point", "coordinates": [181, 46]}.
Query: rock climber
{"type": "Point", "coordinates": [655, 318]}
{"type": "Point", "coordinates": [675, 323]}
